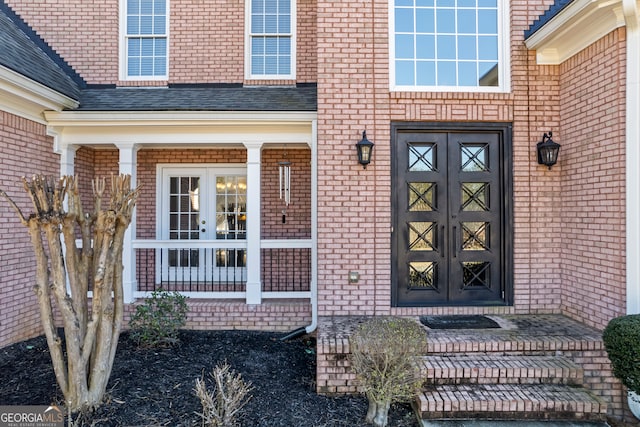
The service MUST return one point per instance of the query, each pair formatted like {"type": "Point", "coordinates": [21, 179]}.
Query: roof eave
{"type": "Point", "coordinates": [29, 99]}
{"type": "Point", "coordinates": [575, 27]}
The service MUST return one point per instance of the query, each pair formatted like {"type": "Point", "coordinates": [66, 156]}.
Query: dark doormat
{"type": "Point", "coordinates": [459, 322]}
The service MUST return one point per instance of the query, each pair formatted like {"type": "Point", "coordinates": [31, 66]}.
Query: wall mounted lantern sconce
{"type": "Point", "coordinates": [547, 150]}
{"type": "Point", "coordinates": [354, 277]}
{"type": "Point", "coordinates": [365, 149]}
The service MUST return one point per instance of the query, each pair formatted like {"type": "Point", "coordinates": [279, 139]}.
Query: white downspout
{"type": "Point", "coordinates": [630, 10]}
{"type": "Point", "coordinates": [314, 239]}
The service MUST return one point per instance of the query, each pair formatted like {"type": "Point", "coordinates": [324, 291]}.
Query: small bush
{"type": "Point", "coordinates": [383, 356]}
{"type": "Point", "coordinates": [622, 341]}
{"type": "Point", "coordinates": [157, 321]}
{"type": "Point", "coordinates": [221, 407]}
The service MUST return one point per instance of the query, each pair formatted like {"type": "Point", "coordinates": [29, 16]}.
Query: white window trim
{"type": "Point", "coordinates": [122, 48]}
{"type": "Point", "coordinates": [247, 46]}
{"type": "Point", "coordinates": [208, 171]}
{"type": "Point", "coordinates": [504, 58]}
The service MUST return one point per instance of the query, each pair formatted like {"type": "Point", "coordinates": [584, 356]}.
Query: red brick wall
{"type": "Point", "coordinates": [567, 239]}
{"type": "Point", "coordinates": [592, 111]}
{"type": "Point", "coordinates": [25, 150]}
{"type": "Point", "coordinates": [353, 95]}
{"type": "Point", "coordinates": [206, 39]}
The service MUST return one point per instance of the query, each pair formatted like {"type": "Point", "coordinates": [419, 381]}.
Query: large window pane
{"type": "Point", "coordinates": [404, 47]}
{"type": "Point", "coordinates": [466, 21]}
{"type": "Point", "coordinates": [467, 47]}
{"type": "Point", "coordinates": [467, 74]}
{"type": "Point", "coordinates": [445, 21]}
{"type": "Point", "coordinates": [446, 46]}
{"type": "Point", "coordinates": [425, 47]}
{"type": "Point", "coordinates": [425, 21]}
{"type": "Point", "coordinates": [488, 47]}
{"type": "Point", "coordinates": [487, 21]}
{"type": "Point", "coordinates": [404, 20]}
{"type": "Point", "coordinates": [426, 73]}
{"type": "Point", "coordinates": [405, 73]}
{"type": "Point", "coordinates": [446, 42]}
{"type": "Point", "coordinates": [446, 73]}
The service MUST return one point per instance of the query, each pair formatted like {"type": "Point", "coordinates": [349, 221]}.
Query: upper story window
{"type": "Point", "coordinates": [449, 45]}
{"type": "Point", "coordinates": [270, 39]}
{"type": "Point", "coordinates": [145, 34]}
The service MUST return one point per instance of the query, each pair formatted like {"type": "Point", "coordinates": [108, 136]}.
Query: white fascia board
{"type": "Point", "coordinates": [29, 99]}
{"type": "Point", "coordinates": [577, 26]}
{"type": "Point", "coordinates": [171, 129]}
{"type": "Point", "coordinates": [175, 118]}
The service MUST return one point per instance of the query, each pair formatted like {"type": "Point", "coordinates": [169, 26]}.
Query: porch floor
{"type": "Point", "coordinates": [517, 332]}
{"type": "Point", "coordinates": [540, 366]}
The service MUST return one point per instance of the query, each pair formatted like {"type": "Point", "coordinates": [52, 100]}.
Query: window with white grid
{"type": "Point", "coordinates": [271, 39]}
{"type": "Point", "coordinates": [145, 39]}
{"type": "Point", "coordinates": [448, 45]}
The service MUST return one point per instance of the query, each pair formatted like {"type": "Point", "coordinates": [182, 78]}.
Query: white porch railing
{"type": "Point", "coordinates": [218, 268]}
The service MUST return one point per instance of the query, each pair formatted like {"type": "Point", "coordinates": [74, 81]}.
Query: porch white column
{"type": "Point", "coordinates": [254, 285]}
{"type": "Point", "coordinates": [127, 165]}
{"type": "Point", "coordinates": [68, 159]}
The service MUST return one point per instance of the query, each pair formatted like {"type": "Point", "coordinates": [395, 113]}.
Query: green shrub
{"type": "Point", "coordinates": [622, 341]}
{"type": "Point", "coordinates": [383, 356]}
{"type": "Point", "coordinates": [157, 321]}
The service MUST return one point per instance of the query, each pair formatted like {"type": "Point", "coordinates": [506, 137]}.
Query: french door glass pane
{"type": "Point", "coordinates": [184, 218]}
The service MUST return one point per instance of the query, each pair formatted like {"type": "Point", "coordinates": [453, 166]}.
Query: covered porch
{"type": "Point", "coordinates": [212, 222]}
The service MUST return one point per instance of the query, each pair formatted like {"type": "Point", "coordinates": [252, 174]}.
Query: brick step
{"type": "Point", "coordinates": [509, 401]}
{"type": "Point", "coordinates": [482, 368]}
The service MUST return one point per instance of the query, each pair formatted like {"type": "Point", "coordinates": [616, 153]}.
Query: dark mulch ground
{"type": "Point", "coordinates": [155, 387]}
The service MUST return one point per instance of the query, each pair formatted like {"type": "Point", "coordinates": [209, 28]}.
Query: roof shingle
{"type": "Point", "coordinates": [24, 52]}
{"type": "Point", "coordinates": [553, 10]}
{"type": "Point", "coordinates": [263, 98]}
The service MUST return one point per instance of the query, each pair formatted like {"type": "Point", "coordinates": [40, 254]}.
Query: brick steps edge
{"type": "Point", "coordinates": [481, 368]}
{"type": "Point", "coordinates": [509, 401]}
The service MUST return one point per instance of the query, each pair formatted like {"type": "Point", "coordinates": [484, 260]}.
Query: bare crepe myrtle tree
{"type": "Point", "coordinates": [65, 272]}
{"type": "Point", "coordinates": [384, 352]}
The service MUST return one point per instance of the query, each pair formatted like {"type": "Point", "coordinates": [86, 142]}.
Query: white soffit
{"type": "Point", "coordinates": [577, 26]}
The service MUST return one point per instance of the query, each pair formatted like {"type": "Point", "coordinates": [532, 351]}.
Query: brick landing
{"type": "Point", "coordinates": [534, 366]}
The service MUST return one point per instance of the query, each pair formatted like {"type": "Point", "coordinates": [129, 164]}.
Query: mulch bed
{"type": "Point", "coordinates": [154, 387]}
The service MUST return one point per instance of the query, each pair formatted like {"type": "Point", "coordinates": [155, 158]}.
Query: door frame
{"type": "Point", "coordinates": [505, 132]}
{"type": "Point", "coordinates": [208, 172]}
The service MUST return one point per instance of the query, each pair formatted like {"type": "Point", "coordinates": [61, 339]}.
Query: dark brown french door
{"type": "Point", "coordinates": [451, 215]}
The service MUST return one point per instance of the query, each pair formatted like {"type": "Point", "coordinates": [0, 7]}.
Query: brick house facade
{"type": "Point", "coordinates": [567, 235]}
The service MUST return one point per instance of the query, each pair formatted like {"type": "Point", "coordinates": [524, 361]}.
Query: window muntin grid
{"type": "Point", "coordinates": [271, 38]}
{"type": "Point", "coordinates": [146, 33]}
{"type": "Point", "coordinates": [446, 44]}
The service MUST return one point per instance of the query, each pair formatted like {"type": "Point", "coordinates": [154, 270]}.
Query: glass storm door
{"type": "Point", "coordinates": [203, 204]}
{"type": "Point", "coordinates": [448, 239]}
